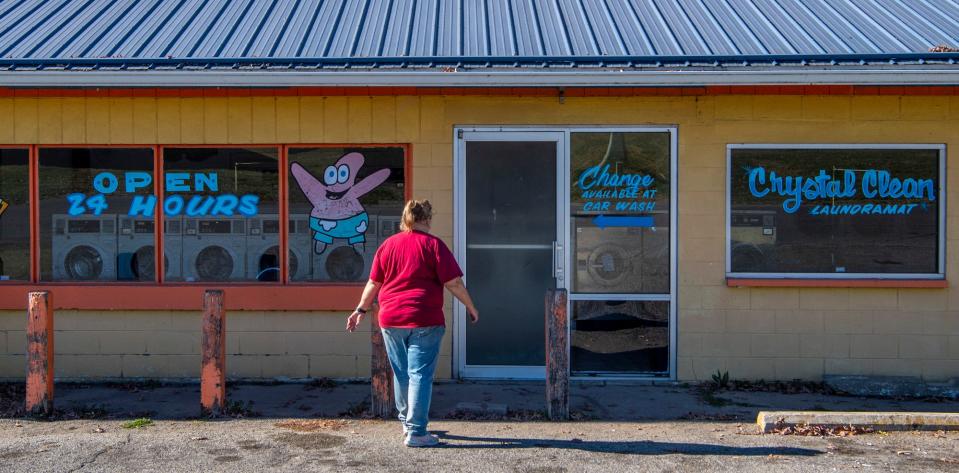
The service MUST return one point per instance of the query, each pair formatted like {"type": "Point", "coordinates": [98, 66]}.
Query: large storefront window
{"type": "Point", "coordinates": [85, 193]}
{"type": "Point", "coordinates": [835, 211]}
{"type": "Point", "coordinates": [620, 207]}
{"type": "Point", "coordinates": [14, 215]}
{"type": "Point", "coordinates": [221, 206]}
{"type": "Point", "coordinates": [343, 202]}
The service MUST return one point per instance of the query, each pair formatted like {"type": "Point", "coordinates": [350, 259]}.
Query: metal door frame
{"type": "Point", "coordinates": [561, 135]}
{"type": "Point", "coordinates": [462, 135]}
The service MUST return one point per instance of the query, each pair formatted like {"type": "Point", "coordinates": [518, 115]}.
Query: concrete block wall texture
{"type": "Point", "coordinates": [769, 333]}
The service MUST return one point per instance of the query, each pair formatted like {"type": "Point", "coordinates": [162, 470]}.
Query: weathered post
{"type": "Point", "coordinates": [39, 398]}
{"type": "Point", "coordinates": [557, 356]}
{"type": "Point", "coordinates": [381, 374]}
{"type": "Point", "coordinates": [213, 367]}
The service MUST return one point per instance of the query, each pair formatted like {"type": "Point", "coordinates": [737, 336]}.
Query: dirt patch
{"type": "Point", "coordinates": [250, 445]}
{"type": "Point", "coordinates": [543, 469]}
{"type": "Point", "coordinates": [221, 451]}
{"type": "Point", "coordinates": [310, 441]}
{"type": "Point", "coordinates": [12, 455]}
{"type": "Point", "coordinates": [313, 425]}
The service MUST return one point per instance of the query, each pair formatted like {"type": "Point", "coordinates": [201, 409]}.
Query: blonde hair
{"type": "Point", "coordinates": [416, 211]}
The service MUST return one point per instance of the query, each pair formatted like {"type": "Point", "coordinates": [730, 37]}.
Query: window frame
{"type": "Point", "coordinates": [851, 279]}
{"type": "Point", "coordinates": [162, 295]}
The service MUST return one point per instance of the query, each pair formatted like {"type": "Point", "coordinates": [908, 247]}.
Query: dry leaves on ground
{"type": "Point", "coordinates": [819, 430]}
{"type": "Point", "coordinates": [313, 425]}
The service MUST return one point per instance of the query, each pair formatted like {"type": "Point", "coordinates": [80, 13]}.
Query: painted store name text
{"type": "Point", "coordinates": [874, 184]}
{"type": "Point", "coordinates": [197, 205]}
{"type": "Point", "coordinates": [605, 191]}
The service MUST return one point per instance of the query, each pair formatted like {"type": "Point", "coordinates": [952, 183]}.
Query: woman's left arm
{"type": "Point", "coordinates": [366, 303]}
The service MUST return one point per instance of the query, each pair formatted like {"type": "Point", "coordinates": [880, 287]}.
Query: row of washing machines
{"type": "Point", "coordinates": [216, 249]}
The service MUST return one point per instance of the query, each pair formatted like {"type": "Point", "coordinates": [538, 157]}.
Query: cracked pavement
{"type": "Point", "coordinates": [300, 427]}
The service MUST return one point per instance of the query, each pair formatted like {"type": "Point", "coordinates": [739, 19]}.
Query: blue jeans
{"type": "Point", "coordinates": [412, 353]}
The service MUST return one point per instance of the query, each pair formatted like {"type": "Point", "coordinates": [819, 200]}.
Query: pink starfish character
{"type": "Point", "coordinates": [337, 211]}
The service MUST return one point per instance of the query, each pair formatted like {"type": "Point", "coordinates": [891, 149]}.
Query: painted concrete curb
{"type": "Point", "coordinates": [888, 421]}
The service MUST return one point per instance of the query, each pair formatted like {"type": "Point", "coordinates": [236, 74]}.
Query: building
{"type": "Point", "coordinates": [758, 187]}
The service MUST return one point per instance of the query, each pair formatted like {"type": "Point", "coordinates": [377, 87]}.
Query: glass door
{"type": "Point", "coordinates": [510, 241]}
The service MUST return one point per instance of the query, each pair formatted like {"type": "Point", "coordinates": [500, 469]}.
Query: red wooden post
{"type": "Point", "coordinates": [557, 356]}
{"type": "Point", "coordinates": [39, 399]}
{"type": "Point", "coordinates": [213, 368]}
{"type": "Point", "coordinates": [381, 374]}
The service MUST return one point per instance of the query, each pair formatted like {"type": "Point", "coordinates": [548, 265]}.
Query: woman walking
{"type": "Point", "coordinates": [409, 272]}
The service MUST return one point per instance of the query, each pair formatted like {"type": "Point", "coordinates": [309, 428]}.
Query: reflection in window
{"type": "Point", "coordinates": [14, 215]}
{"type": "Point", "coordinates": [85, 194]}
{"type": "Point", "coordinates": [221, 207]}
{"type": "Point", "coordinates": [616, 337]}
{"type": "Point", "coordinates": [343, 202]}
{"type": "Point", "coordinates": [620, 212]}
{"type": "Point", "coordinates": [866, 211]}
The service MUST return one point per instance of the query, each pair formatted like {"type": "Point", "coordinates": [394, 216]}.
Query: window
{"type": "Point", "coordinates": [620, 217]}
{"type": "Point", "coordinates": [343, 202]}
{"type": "Point", "coordinates": [835, 211]}
{"type": "Point", "coordinates": [14, 215]}
{"type": "Point", "coordinates": [220, 204]}
{"type": "Point", "coordinates": [85, 194]}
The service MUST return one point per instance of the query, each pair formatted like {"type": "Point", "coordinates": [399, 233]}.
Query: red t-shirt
{"type": "Point", "coordinates": [412, 268]}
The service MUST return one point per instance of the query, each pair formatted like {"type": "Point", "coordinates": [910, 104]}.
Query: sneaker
{"type": "Point", "coordinates": [428, 440]}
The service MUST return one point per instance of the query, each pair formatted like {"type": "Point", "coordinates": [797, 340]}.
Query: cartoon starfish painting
{"type": "Point", "coordinates": [337, 211]}
{"type": "Point", "coordinates": [3, 206]}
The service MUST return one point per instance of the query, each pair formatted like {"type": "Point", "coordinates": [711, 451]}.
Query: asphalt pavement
{"type": "Point", "coordinates": [324, 427]}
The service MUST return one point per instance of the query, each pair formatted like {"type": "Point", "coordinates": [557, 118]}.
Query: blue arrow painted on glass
{"type": "Point", "coordinates": [603, 221]}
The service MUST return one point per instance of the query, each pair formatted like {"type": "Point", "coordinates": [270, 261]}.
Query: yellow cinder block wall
{"type": "Point", "coordinates": [781, 333]}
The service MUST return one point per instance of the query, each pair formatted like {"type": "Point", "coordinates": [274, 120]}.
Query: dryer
{"type": "Point", "coordinates": [341, 262]}
{"type": "Point", "coordinates": [84, 248]}
{"type": "Point", "coordinates": [214, 249]}
{"type": "Point", "coordinates": [263, 240]}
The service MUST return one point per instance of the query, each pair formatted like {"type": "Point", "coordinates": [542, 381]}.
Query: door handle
{"type": "Point", "coordinates": [559, 258]}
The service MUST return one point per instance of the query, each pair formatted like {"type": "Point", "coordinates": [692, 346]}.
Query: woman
{"type": "Point", "coordinates": [409, 272]}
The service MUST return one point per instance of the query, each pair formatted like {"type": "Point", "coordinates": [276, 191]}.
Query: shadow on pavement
{"type": "Point", "coordinates": [639, 447]}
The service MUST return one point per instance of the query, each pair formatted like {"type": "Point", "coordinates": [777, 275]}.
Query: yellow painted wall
{"type": "Point", "coordinates": [751, 332]}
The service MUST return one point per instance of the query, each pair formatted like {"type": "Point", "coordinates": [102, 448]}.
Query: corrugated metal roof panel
{"type": "Point", "coordinates": [443, 31]}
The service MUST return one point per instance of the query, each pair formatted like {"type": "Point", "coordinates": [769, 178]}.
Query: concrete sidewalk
{"type": "Point", "coordinates": [456, 400]}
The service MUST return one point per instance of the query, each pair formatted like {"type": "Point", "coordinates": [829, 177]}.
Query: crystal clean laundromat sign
{"type": "Point", "coordinates": [198, 195]}
{"type": "Point", "coordinates": [827, 210]}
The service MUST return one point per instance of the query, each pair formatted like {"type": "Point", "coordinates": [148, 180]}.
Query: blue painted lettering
{"type": "Point", "coordinates": [137, 180]}
{"type": "Point", "coordinates": [177, 182]}
{"type": "Point", "coordinates": [142, 205]}
{"type": "Point", "coordinates": [105, 183]}
{"type": "Point", "coordinates": [249, 205]}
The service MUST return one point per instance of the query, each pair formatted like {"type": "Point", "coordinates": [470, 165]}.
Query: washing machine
{"type": "Point", "coordinates": [136, 249]}
{"type": "Point", "coordinates": [84, 248]}
{"type": "Point", "coordinates": [622, 259]}
{"type": "Point", "coordinates": [388, 226]}
{"type": "Point", "coordinates": [263, 240]}
{"type": "Point", "coordinates": [341, 262]}
{"type": "Point", "coordinates": [173, 248]}
{"type": "Point", "coordinates": [301, 248]}
{"type": "Point", "coordinates": [214, 249]}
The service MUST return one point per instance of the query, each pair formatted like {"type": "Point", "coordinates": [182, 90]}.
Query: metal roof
{"type": "Point", "coordinates": [608, 35]}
